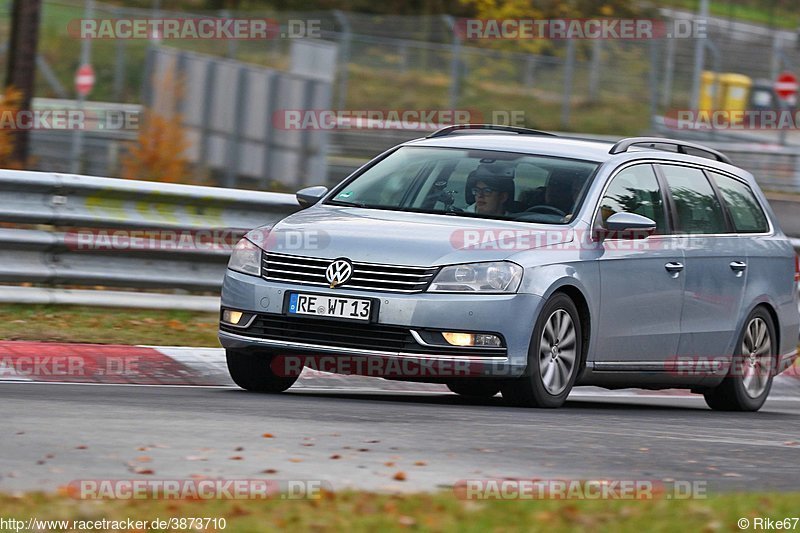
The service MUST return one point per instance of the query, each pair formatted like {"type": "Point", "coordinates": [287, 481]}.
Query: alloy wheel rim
{"type": "Point", "coordinates": [557, 352]}
{"type": "Point", "coordinates": [756, 361]}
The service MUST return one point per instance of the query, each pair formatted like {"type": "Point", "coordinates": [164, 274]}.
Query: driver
{"type": "Point", "coordinates": [492, 195]}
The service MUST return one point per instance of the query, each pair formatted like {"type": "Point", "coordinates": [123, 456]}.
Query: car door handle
{"type": "Point", "coordinates": [738, 268]}
{"type": "Point", "coordinates": [673, 267]}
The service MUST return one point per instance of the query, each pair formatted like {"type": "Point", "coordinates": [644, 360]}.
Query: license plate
{"type": "Point", "coordinates": [329, 306]}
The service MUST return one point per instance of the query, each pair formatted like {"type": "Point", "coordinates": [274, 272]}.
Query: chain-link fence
{"type": "Point", "coordinates": [608, 86]}
{"type": "Point", "coordinates": [422, 62]}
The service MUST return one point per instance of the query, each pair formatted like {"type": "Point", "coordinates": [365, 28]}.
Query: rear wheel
{"type": "Point", "coordinates": [478, 388]}
{"type": "Point", "coordinates": [251, 370]}
{"type": "Point", "coordinates": [553, 357]}
{"type": "Point", "coordinates": [750, 377]}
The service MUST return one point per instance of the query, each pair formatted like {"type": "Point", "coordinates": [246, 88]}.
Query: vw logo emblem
{"type": "Point", "coordinates": [339, 272]}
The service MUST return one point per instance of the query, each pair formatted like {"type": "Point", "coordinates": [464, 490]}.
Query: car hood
{"type": "Point", "coordinates": [403, 238]}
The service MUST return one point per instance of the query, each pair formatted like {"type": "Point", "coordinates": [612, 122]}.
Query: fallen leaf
{"type": "Point", "coordinates": [399, 476]}
{"type": "Point", "coordinates": [295, 460]}
{"type": "Point", "coordinates": [81, 447]}
{"type": "Point", "coordinates": [269, 471]}
{"type": "Point", "coordinates": [336, 456]}
{"type": "Point", "coordinates": [144, 459]}
{"type": "Point", "coordinates": [236, 458]}
{"type": "Point", "coordinates": [407, 521]}
{"type": "Point", "coordinates": [389, 464]}
{"type": "Point", "coordinates": [420, 463]}
{"type": "Point", "coordinates": [143, 471]}
{"type": "Point", "coordinates": [239, 449]}
{"type": "Point", "coordinates": [268, 436]}
{"type": "Point", "coordinates": [238, 510]}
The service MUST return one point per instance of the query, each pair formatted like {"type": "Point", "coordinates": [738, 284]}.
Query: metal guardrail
{"type": "Point", "coordinates": [81, 214]}
{"type": "Point", "coordinates": [58, 210]}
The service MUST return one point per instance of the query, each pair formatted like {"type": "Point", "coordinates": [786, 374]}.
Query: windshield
{"type": "Point", "coordinates": [479, 183]}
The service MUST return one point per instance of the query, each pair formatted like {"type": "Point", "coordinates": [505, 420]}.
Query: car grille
{"type": "Point", "coordinates": [341, 334]}
{"type": "Point", "coordinates": [366, 276]}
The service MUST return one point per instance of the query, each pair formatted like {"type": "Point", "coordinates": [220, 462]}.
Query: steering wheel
{"type": "Point", "coordinates": [547, 209]}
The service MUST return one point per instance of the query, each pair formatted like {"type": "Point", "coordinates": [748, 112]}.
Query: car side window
{"type": "Point", "coordinates": [747, 215]}
{"type": "Point", "coordinates": [634, 190]}
{"type": "Point", "coordinates": [698, 208]}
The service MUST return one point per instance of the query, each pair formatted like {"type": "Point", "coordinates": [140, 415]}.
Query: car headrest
{"type": "Point", "coordinates": [560, 188]}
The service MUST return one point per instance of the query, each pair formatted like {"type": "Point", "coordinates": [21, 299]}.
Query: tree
{"type": "Point", "coordinates": [21, 67]}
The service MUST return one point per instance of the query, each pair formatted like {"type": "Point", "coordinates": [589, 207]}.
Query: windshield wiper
{"type": "Point", "coordinates": [346, 204]}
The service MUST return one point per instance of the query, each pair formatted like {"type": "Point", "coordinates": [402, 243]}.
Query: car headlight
{"type": "Point", "coordinates": [246, 258]}
{"type": "Point", "coordinates": [496, 277]}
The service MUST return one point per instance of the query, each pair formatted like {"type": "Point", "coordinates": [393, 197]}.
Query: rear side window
{"type": "Point", "coordinates": [747, 215]}
{"type": "Point", "coordinates": [634, 190]}
{"type": "Point", "coordinates": [698, 208]}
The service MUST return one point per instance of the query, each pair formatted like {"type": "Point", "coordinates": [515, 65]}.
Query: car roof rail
{"type": "Point", "coordinates": [624, 144]}
{"type": "Point", "coordinates": [449, 130]}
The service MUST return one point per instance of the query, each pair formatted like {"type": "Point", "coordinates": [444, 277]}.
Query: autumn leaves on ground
{"type": "Point", "coordinates": [352, 511]}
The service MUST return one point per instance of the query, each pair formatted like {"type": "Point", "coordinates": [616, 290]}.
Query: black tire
{"type": "Point", "coordinates": [475, 388]}
{"type": "Point", "coordinates": [251, 370]}
{"type": "Point", "coordinates": [530, 389]}
{"type": "Point", "coordinates": [732, 394]}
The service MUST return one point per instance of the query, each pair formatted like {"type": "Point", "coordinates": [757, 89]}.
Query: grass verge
{"type": "Point", "coordinates": [98, 325]}
{"type": "Point", "coordinates": [357, 511]}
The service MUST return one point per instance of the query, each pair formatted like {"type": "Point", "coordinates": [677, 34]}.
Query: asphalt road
{"type": "Point", "coordinates": [54, 433]}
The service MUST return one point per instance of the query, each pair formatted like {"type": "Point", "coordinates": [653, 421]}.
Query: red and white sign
{"type": "Point", "coordinates": [786, 86]}
{"type": "Point", "coordinates": [84, 80]}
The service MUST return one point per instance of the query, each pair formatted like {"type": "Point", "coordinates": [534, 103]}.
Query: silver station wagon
{"type": "Point", "coordinates": [501, 259]}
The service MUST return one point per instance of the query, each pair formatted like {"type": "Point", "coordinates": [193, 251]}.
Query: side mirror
{"type": "Point", "coordinates": [626, 226]}
{"type": "Point", "coordinates": [310, 195]}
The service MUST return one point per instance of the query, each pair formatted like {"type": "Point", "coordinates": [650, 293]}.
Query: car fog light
{"type": "Point", "coordinates": [471, 339]}
{"type": "Point", "coordinates": [232, 317]}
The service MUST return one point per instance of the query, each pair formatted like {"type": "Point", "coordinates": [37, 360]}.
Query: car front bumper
{"type": "Point", "coordinates": [510, 315]}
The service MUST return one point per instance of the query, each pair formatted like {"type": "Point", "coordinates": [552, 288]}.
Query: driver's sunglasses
{"type": "Point", "coordinates": [482, 191]}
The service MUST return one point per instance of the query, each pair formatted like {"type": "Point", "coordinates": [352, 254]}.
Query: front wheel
{"type": "Point", "coordinates": [750, 377]}
{"type": "Point", "coordinates": [251, 370]}
{"type": "Point", "coordinates": [553, 357]}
